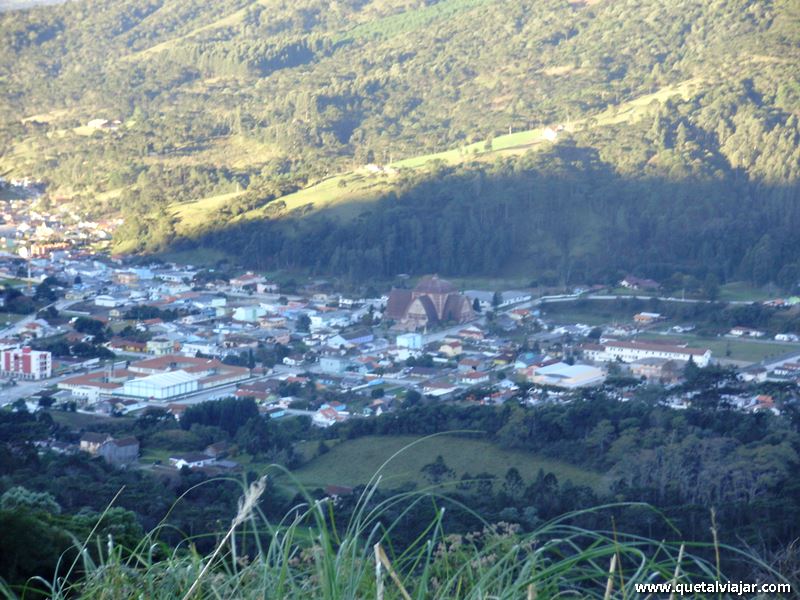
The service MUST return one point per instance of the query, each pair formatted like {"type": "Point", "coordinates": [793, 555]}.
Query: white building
{"type": "Point", "coordinates": [161, 386]}
{"type": "Point", "coordinates": [613, 350]}
{"type": "Point", "coordinates": [411, 341]}
{"type": "Point", "coordinates": [109, 301]}
{"type": "Point", "coordinates": [568, 376]}
{"type": "Point", "coordinates": [249, 314]}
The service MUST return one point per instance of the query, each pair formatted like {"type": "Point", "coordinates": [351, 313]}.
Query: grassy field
{"type": "Point", "coordinates": [744, 350]}
{"type": "Point", "coordinates": [77, 420]}
{"type": "Point", "coordinates": [739, 291]}
{"type": "Point", "coordinates": [9, 318]}
{"type": "Point", "coordinates": [354, 462]}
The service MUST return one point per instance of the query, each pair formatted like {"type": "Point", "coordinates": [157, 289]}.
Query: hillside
{"type": "Point", "coordinates": [413, 136]}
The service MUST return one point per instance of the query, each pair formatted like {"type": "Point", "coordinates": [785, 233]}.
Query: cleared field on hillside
{"type": "Point", "coordinates": [354, 462]}
{"type": "Point", "coordinates": [346, 191]}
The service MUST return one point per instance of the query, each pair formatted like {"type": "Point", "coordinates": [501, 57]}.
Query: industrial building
{"type": "Point", "coordinates": [161, 386]}
{"type": "Point", "coordinates": [568, 376]}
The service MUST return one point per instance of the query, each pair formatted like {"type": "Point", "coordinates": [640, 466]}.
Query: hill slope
{"type": "Point", "coordinates": [250, 124]}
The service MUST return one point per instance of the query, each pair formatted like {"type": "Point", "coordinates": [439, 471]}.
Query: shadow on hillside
{"type": "Point", "coordinates": [565, 214]}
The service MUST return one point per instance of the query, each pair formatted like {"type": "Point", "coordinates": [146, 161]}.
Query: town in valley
{"type": "Point", "coordinates": [108, 337]}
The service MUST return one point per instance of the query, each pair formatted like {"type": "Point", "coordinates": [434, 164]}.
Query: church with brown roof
{"type": "Point", "coordinates": [433, 302]}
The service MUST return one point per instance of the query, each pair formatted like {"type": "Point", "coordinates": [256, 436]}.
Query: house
{"type": "Point", "coordinates": [472, 332]}
{"type": "Point", "coordinates": [267, 287]}
{"type": "Point", "coordinates": [788, 369]}
{"type": "Point", "coordinates": [218, 449]}
{"type": "Point", "coordinates": [753, 373]}
{"type": "Point", "coordinates": [646, 318]}
{"type": "Point", "coordinates": [746, 332]}
{"type": "Point", "coordinates": [660, 369]}
{"type": "Point", "coordinates": [293, 360]}
{"type": "Point", "coordinates": [91, 441]}
{"type": "Point", "coordinates": [125, 345]}
{"type": "Point", "coordinates": [470, 363]}
{"type": "Point", "coordinates": [473, 378]}
{"type": "Point", "coordinates": [325, 417]}
{"type": "Point", "coordinates": [248, 314]}
{"type": "Point", "coordinates": [334, 364]}
{"type": "Point", "coordinates": [121, 451]}
{"type": "Point", "coordinates": [191, 460]}
{"type": "Point", "coordinates": [246, 282]}
{"type": "Point", "coordinates": [108, 301]}
{"type": "Point", "coordinates": [764, 402]}
{"type": "Point", "coordinates": [787, 337]}
{"type": "Point", "coordinates": [411, 341]}
{"type": "Point", "coordinates": [636, 283]}
{"type": "Point", "coordinates": [160, 346]}
{"type": "Point", "coordinates": [451, 348]}
{"type": "Point", "coordinates": [526, 363]}
{"type": "Point", "coordinates": [274, 412]}
{"type": "Point", "coordinates": [439, 388]}
{"type": "Point", "coordinates": [352, 338]}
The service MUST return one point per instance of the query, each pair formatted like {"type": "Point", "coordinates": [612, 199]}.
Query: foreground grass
{"type": "Point", "coordinates": [353, 462]}
{"type": "Point", "coordinates": [308, 554]}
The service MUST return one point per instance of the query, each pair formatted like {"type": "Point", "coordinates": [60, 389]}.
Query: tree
{"type": "Point", "coordinates": [497, 299]}
{"type": "Point", "coordinates": [691, 371]}
{"type": "Point", "coordinates": [513, 483]}
{"type": "Point", "coordinates": [46, 401]}
{"type": "Point", "coordinates": [303, 323]}
{"type": "Point", "coordinates": [711, 287]}
{"type": "Point", "coordinates": [19, 497]}
{"type": "Point", "coordinates": [476, 305]}
{"type": "Point", "coordinates": [413, 398]}
{"type": "Point", "coordinates": [437, 471]}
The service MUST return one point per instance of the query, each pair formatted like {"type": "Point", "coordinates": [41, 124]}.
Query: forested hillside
{"type": "Point", "coordinates": [250, 127]}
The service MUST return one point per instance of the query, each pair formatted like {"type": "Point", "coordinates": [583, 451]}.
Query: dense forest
{"type": "Point", "coordinates": [678, 146]}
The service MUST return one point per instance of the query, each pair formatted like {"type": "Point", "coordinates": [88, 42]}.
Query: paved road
{"type": "Point", "coordinates": [574, 297]}
{"type": "Point", "coordinates": [19, 325]}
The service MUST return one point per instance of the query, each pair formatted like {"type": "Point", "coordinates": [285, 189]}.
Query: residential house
{"type": "Point", "coordinates": [120, 451]}
{"type": "Point", "coordinates": [746, 332]}
{"type": "Point", "coordinates": [647, 318]}
{"type": "Point", "coordinates": [451, 348]}
{"type": "Point", "coordinates": [636, 283]}
{"type": "Point", "coordinates": [191, 460]}
{"type": "Point", "coordinates": [325, 417]}
{"type": "Point", "coordinates": [91, 441]}
{"type": "Point", "coordinates": [473, 378]}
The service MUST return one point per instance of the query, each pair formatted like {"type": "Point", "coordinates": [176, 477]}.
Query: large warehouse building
{"type": "Point", "coordinates": [158, 378]}
{"type": "Point", "coordinates": [161, 386]}
{"type": "Point", "coordinates": [568, 376]}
